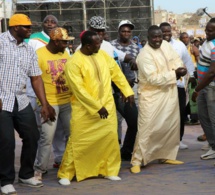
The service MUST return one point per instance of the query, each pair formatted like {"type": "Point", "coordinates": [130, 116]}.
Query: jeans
{"type": "Point", "coordinates": [24, 123]}
{"type": "Point", "coordinates": [206, 112]}
{"type": "Point", "coordinates": [130, 115]}
{"type": "Point", "coordinates": [59, 137]}
{"type": "Point", "coordinates": [58, 144]}
{"type": "Point", "coordinates": [63, 113]}
{"type": "Point", "coordinates": [34, 105]}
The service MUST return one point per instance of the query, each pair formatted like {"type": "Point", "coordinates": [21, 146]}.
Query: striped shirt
{"type": "Point", "coordinates": [213, 55]}
{"type": "Point", "coordinates": [207, 54]}
{"type": "Point", "coordinates": [38, 40]}
{"type": "Point", "coordinates": [17, 63]}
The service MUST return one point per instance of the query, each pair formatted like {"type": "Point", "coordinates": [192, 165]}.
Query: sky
{"type": "Point", "coordinates": [182, 6]}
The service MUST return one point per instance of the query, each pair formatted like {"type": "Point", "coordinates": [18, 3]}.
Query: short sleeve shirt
{"type": "Point", "coordinates": [213, 55]}
{"type": "Point", "coordinates": [207, 55]}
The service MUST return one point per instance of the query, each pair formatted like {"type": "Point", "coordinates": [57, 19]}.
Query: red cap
{"type": "Point", "coordinates": [81, 34]}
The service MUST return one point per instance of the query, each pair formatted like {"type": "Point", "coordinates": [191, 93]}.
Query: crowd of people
{"type": "Point", "coordinates": [74, 101]}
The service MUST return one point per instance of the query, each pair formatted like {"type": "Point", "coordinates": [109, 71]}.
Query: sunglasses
{"type": "Point", "coordinates": [64, 41]}
{"type": "Point", "coordinates": [26, 27]}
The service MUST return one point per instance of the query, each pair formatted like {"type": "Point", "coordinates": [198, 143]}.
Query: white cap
{"type": "Point", "coordinates": [126, 23]}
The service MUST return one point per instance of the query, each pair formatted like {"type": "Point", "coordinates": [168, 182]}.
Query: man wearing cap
{"type": "Point", "coordinates": [38, 40]}
{"type": "Point", "coordinates": [125, 44]}
{"type": "Point", "coordinates": [18, 61]}
{"type": "Point", "coordinates": [52, 59]}
{"type": "Point", "coordinates": [98, 25]}
{"type": "Point", "coordinates": [197, 42]}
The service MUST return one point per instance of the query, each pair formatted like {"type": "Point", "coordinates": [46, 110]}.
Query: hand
{"type": "Point", "coordinates": [133, 64]}
{"type": "Point", "coordinates": [123, 98]}
{"type": "Point", "coordinates": [103, 113]}
{"type": "Point", "coordinates": [130, 99]}
{"type": "Point", "coordinates": [180, 72]}
{"type": "Point", "coordinates": [193, 82]}
{"type": "Point", "coordinates": [195, 74]}
{"type": "Point", "coordinates": [194, 96]}
{"type": "Point", "coordinates": [1, 105]}
{"type": "Point", "coordinates": [52, 113]}
{"type": "Point", "coordinates": [131, 82]}
{"type": "Point", "coordinates": [48, 113]}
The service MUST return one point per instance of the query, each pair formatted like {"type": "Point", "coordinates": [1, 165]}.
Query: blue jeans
{"type": "Point", "coordinates": [63, 113]}
{"type": "Point", "coordinates": [206, 112]}
{"type": "Point", "coordinates": [24, 123]}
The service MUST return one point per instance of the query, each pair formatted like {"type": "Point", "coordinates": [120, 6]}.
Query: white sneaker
{"type": "Point", "coordinates": [206, 147]}
{"type": "Point", "coordinates": [64, 182]}
{"type": "Point", "coordinates": [113, 178]}
{"type": "Point", "coordinates": [8, 189]}
{"type": "Point", "coordinates": [31, 182]}
{"type": "Point", "coordinates": [38, 175]}
{"type": "Point", "coordinates": [208, 155]}
{"type": "Point", "coordinates": [182, 146]}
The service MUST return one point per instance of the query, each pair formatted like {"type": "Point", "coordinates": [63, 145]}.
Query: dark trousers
{"type": "Point", "coordinates": [25, 124]}
{"type": "Point", "coordinates": [182, 106]}
{"type": "Point", "coordinates": [130, 115]}
{"type": "Point", "coordinates": [187, 112]}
